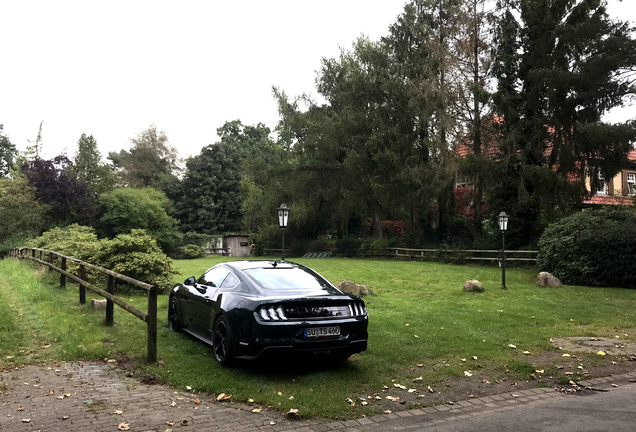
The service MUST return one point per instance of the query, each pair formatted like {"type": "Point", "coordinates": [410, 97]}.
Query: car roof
{"type": "Point", "coordinates": [246, 265]}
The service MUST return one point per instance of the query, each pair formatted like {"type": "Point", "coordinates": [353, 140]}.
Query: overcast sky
{"type": "Point", "coordinates": [111, 69]}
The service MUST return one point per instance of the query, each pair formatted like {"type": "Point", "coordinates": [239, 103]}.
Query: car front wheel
{"type": "Point", "coordinates": [173, 318]}
{"type": "Point", "coordinates": [222, 342]}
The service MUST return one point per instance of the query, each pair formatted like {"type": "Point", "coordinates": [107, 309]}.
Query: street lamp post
{"type": "Point", "coordinates": [503, 227]}
{"type": "Point", "coordinates": [283, 217]}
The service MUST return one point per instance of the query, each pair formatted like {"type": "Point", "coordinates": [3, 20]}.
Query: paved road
{"type": "Point", "coordinates": [84, 396]}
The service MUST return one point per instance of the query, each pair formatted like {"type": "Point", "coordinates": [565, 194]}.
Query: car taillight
{"type": "Point", "coordinates": [272, 313]}
{"type": "Point", "coordinates": [357, 309]}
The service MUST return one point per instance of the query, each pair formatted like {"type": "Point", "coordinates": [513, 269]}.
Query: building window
{"type": "Point", "coordinates": [602, 186]}
{"type": "Point", "coordinates": [631, 184]}
{"type": "Point", "coordinates": [462, 181]}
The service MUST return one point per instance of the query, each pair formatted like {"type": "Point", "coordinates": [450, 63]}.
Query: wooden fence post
{"type": "Point", "coordinates": [62, 275]}
{"type": "Point", "coordinates": [33, 253]}
{"type": "Point", "coordinates": [110, 287]}
{"type": "Point", "coordinates": [152, 324]}
{"type": "Point", "coordinates": [82, 289]}
{"type": "Point", "coordinates": [50, 261]}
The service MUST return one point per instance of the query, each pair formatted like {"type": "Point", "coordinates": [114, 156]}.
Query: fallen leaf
{"type": "Point", "coordinates": [197, 401]}
{"type": "Point", "coordinates": [279, 394]}
{"type": "Point", "coordinates": [399, 386]}
{"type": "Point", "coordinates": [474, 357]}
{"type": "Point", "coordinates": [614, 363]}
{"type": "Point", "coordinates": [419, 378]}
{"type": "Point", "coordinates": [123, 426]}
{"type": "Point", "coordinates": [515, 395]}
{"type": "Point", "coordinates": [67, 395]}
{"type": "Point", "coordinates": [180, 398]}
{"type": "Point", "coordinates": [364, 403]}
{"type": "Point", "coordinates": [463, 360]}
{"type": "Point", "coordinates": [223, 397]}
{"type": "Point", "coordinates": [540, 371]}
{"type": "Point", "coordinates": [571, 320]}
{"type": "Point", "coordinates": [430, 390]}
{"type": "Point", "coordinates": [291, 398]}
{"type": "Point", "coordinates": [114, 361]}
{"type": "Point", "coordinates": [250, 400]}
{"type": "Point", "coordinates": [602, 353]}
{"type": "Point", "coordinates": [272, 423]}
{"type": "Point", "coordinates": [512, 346]}
{"type": "Point", "coordinates": [406, 325]}
{"type": "Point", "coordinates": [46, 346]}
{"type": "Point", "coordinates": [20, 409]}
{"type": "Point", "coordinates": [293, 413]}
{"type": "Point", "coordinates": [566, 355]}
{"type": "Point", "coordinates": [26, 420]}
{"type": "Point", "coordinates": [467, 373]}
{"type": "Point", "coordinates": [51, 393]}
{"type": "Point", "coordinates": [118, 412]}
{"type": "Point", "coordinates": [59, 397]}
{"type": "Point", "coordinates": [526, 352]}
{"type": "Point", "coordinates": [173, 404]}
{"type": "Point", "coordinates": [614, 385]}
{"type": "Point", "coordinates": [412, 390]}
{"type": "Point", "coordinates": [170, 423]}
{"type": "Point", "coordinates": [188, 388]}
{"type": "Point", "coordinates": [256, 410]}
{"type": "Point", "coordinates": [64, 417]}
{"type": "Point", "coordinates": [387, 411]}
{"type": "Point", "coordinates": [416, 336]}
{"type": "Point", "coordinates": [184, 423]}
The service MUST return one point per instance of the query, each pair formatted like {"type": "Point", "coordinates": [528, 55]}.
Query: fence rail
{"type": "Point", "coordinates": [528, 256]}
{"type": "Point", "coordinates": [149, 317]}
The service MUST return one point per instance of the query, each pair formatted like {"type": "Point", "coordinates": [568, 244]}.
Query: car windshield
{"type": "Point", "coordinates": [286, 278]}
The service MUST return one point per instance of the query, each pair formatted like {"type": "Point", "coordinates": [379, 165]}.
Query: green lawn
{"type": "Point", "coordinates": [445, 325]}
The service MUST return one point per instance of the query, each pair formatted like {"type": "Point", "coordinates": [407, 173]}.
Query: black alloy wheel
{"type": "Point", "coordinates": [222, 342]}
{"type": "Point", "coordinates": [173, 318]}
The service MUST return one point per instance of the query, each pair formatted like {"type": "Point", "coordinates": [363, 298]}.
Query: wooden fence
{"type": "Point", "coordinates": [150, 317]}
{"type": "Point", "coordinates": [492, 256]}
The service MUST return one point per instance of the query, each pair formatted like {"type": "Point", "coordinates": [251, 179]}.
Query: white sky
{"type": "Point", "coordinates": [111, 69]}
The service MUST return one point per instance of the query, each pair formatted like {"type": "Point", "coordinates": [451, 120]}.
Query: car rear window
{"type": "Point", "coordinates": [286, 278]}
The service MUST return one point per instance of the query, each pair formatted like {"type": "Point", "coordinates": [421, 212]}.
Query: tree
{"type": "Point", "coordinates": [7, 153]}
{"type": "Point", "coordinates": [129, 208]}
{"type": "Point", "coordinates": [35, 148]}
{"type": "Point", "coordinates": [150, 162]}
{"type": "Point", "coordinates": [66, 196]}
{"type": "Point", "coordinates": [210, 201]}
{"type": "Point", "coordinates": [559, 67]}
{"type": "Point", "coordinates": [88, 166]}
{"type": "Point", "coordinates": [21, 213]}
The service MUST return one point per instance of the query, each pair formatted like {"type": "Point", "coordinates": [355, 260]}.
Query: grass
{"type": "Point", "coordinates": [418, 315]}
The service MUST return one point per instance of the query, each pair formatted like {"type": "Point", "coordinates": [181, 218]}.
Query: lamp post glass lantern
{"type": "Point", "coordinates": [503, 227]}
{"type": "Point", "coordinates": [283, 218]}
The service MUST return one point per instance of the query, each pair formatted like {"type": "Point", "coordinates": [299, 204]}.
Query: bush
{"type": "Point", "coordinates": [593, 248]}
{"type": "Point", "coordinates": [11, 242]}
{"type": "Point", "coordinates": [137, 255]}
{"type": "Point", "coordinates": [319, 245]}
{"type": "Point", "coordinates": [191, 251]}
{"type": "Point", "coordinates": [76, 241]}
{"type": "Point", "coordinates": [348, 246]}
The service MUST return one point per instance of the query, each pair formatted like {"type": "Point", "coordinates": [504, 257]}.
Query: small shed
{"type": "Point", "coordinates": [238, 245]}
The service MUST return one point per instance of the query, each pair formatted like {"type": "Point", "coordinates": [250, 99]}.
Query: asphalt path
{"type": "Point", "coordinates": [613, 410]}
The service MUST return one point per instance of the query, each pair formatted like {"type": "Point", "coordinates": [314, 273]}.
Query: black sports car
{"type": "Point", "coordinates": [246, 308]}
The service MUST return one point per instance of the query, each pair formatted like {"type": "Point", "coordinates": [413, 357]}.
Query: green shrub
{"type": "Point", "coordinates": [191, 251]}
{"type": "Point", "coordinates": [75, 241]}
{"type": "Point", "coordinates": [319, 245]}
{"type": "Point", "coordinates": [11, 242]}
{"type": "Point", "coordinates": [348, 246]}
{"type": "Point", "coordinates": [593, 248]}
{"type": "Point", "coordinates": [137, 255]}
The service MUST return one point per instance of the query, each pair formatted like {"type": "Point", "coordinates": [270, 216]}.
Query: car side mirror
{"type": "Point", "coordinates": [189, 281]}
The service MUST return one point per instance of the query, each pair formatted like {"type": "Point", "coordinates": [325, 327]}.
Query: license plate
{"type": "Point", "coordinates": [316, 332]}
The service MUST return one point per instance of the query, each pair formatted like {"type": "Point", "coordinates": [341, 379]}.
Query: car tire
{"type": "Point", "coordinates": [173, 316]}
{"type": "Point", "coordinates": [222, 343]}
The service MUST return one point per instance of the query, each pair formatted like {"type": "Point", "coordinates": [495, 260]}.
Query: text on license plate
{"type": "Point", "coordinates": [321, 331]}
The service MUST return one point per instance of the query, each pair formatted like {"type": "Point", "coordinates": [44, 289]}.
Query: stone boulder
{"type": "Point", "coordinates": [365, 290]}
{"type": "Point", "coordinates": [99, 304]}
{"type": "Point", "coordinates": [350, 287]}
{"type": "Point", "coordinates": [549, 280]}
{"type": "Point", "coordinates": [473, 286]}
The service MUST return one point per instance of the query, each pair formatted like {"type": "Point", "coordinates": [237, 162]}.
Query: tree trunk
{"type": "Point", "coordinates": [377, 226]}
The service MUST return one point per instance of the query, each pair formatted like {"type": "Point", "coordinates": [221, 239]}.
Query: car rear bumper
{"type": "Point", "coordinates": [289, 337]}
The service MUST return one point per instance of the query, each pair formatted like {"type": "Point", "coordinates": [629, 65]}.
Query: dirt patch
{"type": "Point", "coordinates": [149, 380]}
{"type": "Point", "coordinates": [595, 344]}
